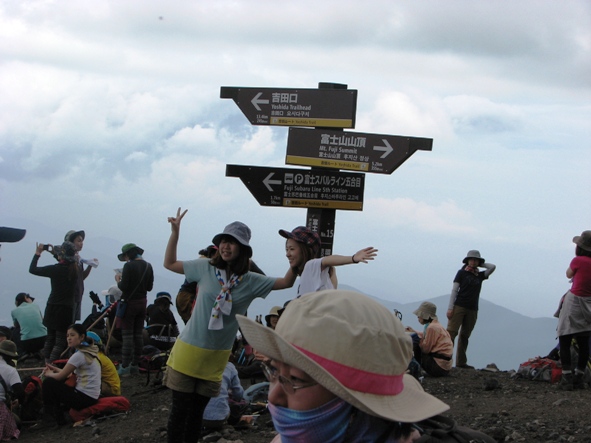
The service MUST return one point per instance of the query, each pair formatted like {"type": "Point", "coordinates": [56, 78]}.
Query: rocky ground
{"type": "Point", "coordinates": [508, 409]}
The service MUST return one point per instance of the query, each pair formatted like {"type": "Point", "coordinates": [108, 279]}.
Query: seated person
{"type": "Point", "coordinates": [433, 347]}
{"type": "Point", "coordinates": [57, 394]}
{"type": "Point", "coordinates": [162, 328]}
{"type": "Point", "coordinates": [28, 319]}
{"type": "Point", "coordinates": [110, 381]}
{"type": "Point", "coordinates": [252, 366]}
{"type": "Point", "coordinates": [11, 382]}
{"type": "Point", "coordinates": [5, 333]}
{"type": "Point", "coordinates": [220, 409]}
{"type": "Point", "coordinates": [348, 386]}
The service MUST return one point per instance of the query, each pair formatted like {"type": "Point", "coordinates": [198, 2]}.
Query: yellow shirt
{"type": "Point", "coordinates": [109, 374]}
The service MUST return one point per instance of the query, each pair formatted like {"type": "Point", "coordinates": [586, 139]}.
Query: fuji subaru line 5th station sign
{"type": "Point", "coordinates": [327, 148]}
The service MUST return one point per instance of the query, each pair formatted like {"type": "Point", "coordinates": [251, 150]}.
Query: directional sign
{"type": "Point", "coordinates": [354, 151]}
{"type": "Point", "coordinates": [329, 108]}
{"type": "Point", "coordinates": [302, 188]}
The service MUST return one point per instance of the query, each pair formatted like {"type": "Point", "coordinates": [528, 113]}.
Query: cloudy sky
{"type": "Point", "coordinates": [111, 118]}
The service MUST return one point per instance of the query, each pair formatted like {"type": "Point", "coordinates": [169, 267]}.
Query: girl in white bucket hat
{"type": "Point", "coordinates": [338, 371]}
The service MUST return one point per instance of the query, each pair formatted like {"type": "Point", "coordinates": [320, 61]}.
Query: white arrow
{"type": "Point", "coordinates": [387, 149]}
{"type": "Point", "coordinates": [255, 101]}
{"type": "Point", "coordinates": [268, 182]}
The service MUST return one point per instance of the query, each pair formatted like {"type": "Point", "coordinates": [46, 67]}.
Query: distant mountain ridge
{"type": "Point", "coordinates": [501, 336]}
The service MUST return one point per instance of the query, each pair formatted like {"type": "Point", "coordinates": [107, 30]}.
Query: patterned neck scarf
{"type": "Point", "coordinates": [223, 302]}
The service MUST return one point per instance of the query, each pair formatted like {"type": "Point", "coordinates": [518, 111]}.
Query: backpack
{"type": "Point", "coordinates": [445, 430]}
{"type": "Point", "coordinates": [30, 409]}
{"type": "Point", "coordinates": [153, 361]}
{"type": "Point", "coordinates": [540, 369]}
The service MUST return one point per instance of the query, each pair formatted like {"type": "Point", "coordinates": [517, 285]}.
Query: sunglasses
{"type": "Point", "coordinates": [288, 386]}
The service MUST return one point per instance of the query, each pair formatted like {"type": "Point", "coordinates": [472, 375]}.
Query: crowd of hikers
{"type": "Point", "coordinates": [315, 389]}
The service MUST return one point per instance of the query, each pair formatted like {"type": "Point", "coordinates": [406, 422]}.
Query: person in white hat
{"type": "Point", "coordinates": [574, 320]}
{"type": "Point", "coordinates": [432, 347]}
{"type": "Point", "coordinates": [462, 311]}
{"type": "Point", "coordinates": [201, 351]}
{"type": "Point", "coordinates": [338, 371]}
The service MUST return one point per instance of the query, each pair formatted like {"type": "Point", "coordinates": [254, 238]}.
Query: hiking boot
{"type": "Point", "coordinates": [46, 423]}
{"type": "Point", "coordinates": [566, 382]}
{"type": "Point", "coordinates": [134, 369]}
{"type": "Point", "coordinates": [124, 372]}
{"type": "Point", "coordinates": [579, 380]}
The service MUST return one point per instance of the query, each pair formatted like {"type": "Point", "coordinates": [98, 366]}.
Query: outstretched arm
{"type": "Point", "coordinates": [170, 261]}
{"type": "Point", "coordinates": [287, 281]}
{"type": "Point", "coordinates": [362, 256]}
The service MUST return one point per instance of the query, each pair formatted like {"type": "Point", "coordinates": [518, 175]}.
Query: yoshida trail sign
{"type": "Point", "coordinates": [301, 188]}
{"type": "Point", "coordinates": [329, 108]}
{"type": "Point", "coordinates": [355, 151]}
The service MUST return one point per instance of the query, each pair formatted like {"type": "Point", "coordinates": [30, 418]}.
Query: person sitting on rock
{"type": "Point", "coordinates": [432, 347]}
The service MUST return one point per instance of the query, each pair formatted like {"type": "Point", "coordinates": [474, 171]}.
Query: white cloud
{"type": "Point", "coordinates": [445, 217]}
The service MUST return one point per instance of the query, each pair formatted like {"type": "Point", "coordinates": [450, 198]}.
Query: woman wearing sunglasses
{"type": "Point", "coordinates": [337, 372]}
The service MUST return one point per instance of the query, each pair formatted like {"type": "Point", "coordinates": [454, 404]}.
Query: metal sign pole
{"type": "Point", "coordinates": [322, 221]}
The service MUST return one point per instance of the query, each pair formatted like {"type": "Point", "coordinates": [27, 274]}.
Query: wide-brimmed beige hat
{"type": "Point", "coordinates": [273, 312]}
{"type": "Point", "coordinates": [351, 345]}
{"type": "Point", "coordinates": [426, 310]}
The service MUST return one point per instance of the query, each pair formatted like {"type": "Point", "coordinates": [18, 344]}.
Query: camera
{"type": "Point", "coordinates": [47, 248]}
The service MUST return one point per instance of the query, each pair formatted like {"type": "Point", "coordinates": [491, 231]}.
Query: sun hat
{"type": "Point", "coordinates": [7, 347]}
{"type": "Point", "coordinates": [21, 297]}
{"type": "Point", "coordinates": [362, 356]}
{"type": "Point", "coordinates": [473, 253]}
{"type": "Point", "coordinates": [95, 337]}
{"type": "Point", "coordinates": [126, 248]}
{"type": "Point", "coordinates": [426, 310]}
{"type": "Point", "coordinates": [114, 293]}
{"type": "Point", "coordinates": [72, 234]}
{"type": "Point", "coordinates": [164, 296]}
{"type": "Point", "coordinates": [303, 235]}
{"type": "Point", "coordinates": [11, 235]}
{"type": "Point", "coordinates": [583, 241]}
{"type": "Point", "coordinates": [67, 251]}
{"type": "Point", "coordinates": [240, 232]}
{"type": "Point", "coordinates": [273, 312]}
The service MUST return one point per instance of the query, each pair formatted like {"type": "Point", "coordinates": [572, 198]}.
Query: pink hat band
{"type": "Point", "coordinates": [358, 379]}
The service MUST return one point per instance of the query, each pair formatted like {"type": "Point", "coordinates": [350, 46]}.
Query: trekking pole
{"type": "Point", "coordinates": [110, 335]}
{"type": "Point", "coordinates": [102, 315]}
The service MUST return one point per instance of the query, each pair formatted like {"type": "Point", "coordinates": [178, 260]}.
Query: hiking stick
{"type": "Point", "coordinates": [110, 335]}
{"type": "Point", "coordinates": [31, 369]}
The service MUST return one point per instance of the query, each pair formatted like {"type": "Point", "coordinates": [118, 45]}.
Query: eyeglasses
{"type": "Point", "coordinates": [288, 386]}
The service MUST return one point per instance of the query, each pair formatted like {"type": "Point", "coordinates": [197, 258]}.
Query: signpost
{"type": "Point", "coordinates": [328, 108]}
{"type": "Point", "coordinates": [302, 188]}
{"type": "Point", "coordinates": [327, 149]}
{"type": "Point", "coordinates": [353, 151]}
